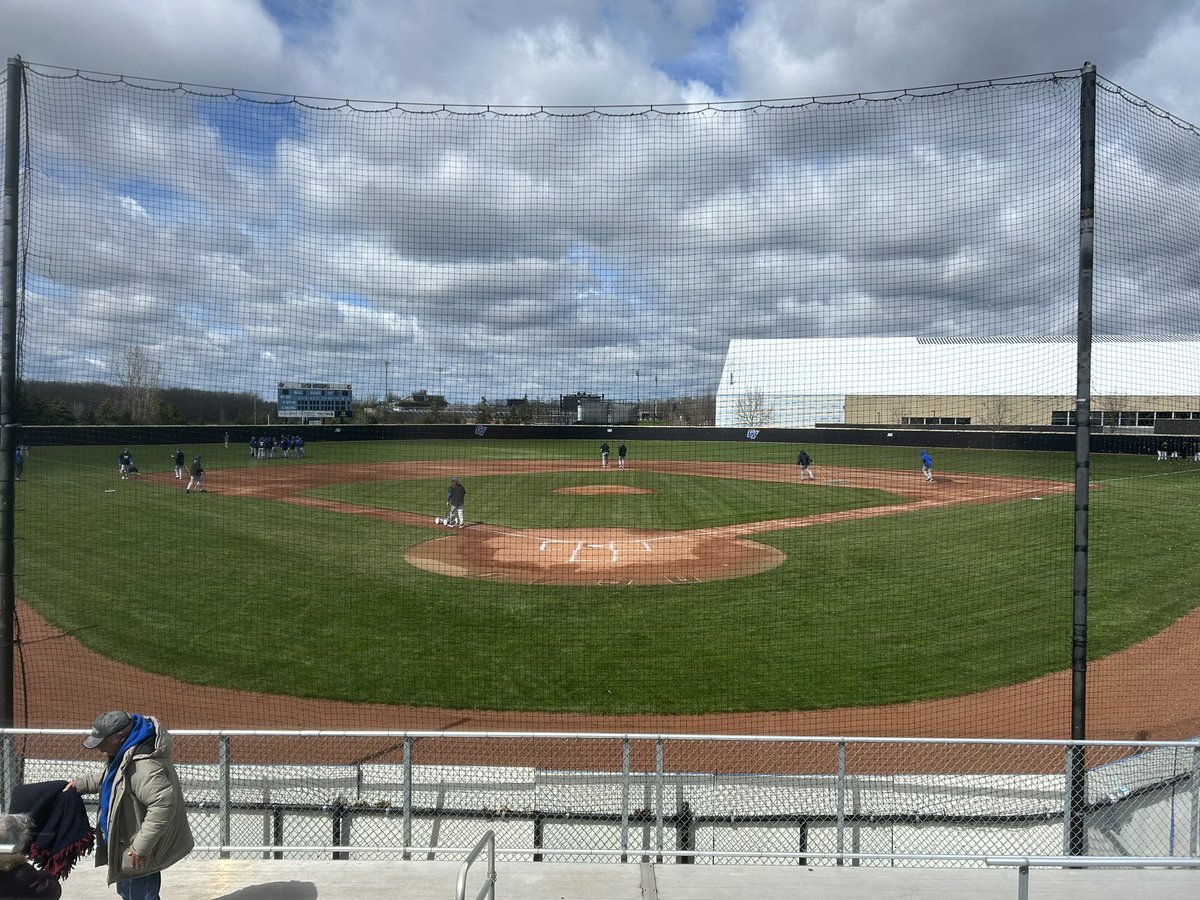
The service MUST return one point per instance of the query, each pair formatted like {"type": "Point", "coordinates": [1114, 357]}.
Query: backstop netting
{"type": "Point", "coordinates": [688, 363]}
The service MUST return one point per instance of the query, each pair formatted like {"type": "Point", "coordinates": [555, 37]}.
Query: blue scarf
{"type": "Point", "coordinates": [142, 729]}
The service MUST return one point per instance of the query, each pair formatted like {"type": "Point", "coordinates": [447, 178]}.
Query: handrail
{"type": "Point", "coordinates": [489, 882]}
{"type": "Point", "coordinates": [644, 824]}
{"type": "Point", "coordinates": [1024, 863]}
{"type": "Point", "coordinates": [1191, 743]}
{"type": "Point", "coordinates": [1089, 862]}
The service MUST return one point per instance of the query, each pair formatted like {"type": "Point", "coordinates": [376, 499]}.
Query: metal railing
{"type": "Point", "coordinates": [1025, 863]}
{"type": "Point", "coordinates": [706, 799]}
{"type": "Point", "coordinates": [488, 841]}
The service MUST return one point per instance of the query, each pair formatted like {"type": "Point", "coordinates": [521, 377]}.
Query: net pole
{"type": "Point", "coordinates": [1077, 836]}
{"type": "Point", "coordinates": [8, 389]}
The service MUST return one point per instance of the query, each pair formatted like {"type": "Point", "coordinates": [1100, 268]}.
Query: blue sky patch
{"type": "Point", "coordinates": [351, 299]}
{"type": "Point", "coordinates": [252, 129]}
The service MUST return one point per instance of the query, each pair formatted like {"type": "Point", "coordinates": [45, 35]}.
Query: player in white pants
{"type": "Point", "coordinates": [456, 497]}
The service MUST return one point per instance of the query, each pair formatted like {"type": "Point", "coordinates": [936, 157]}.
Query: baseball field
{"type": "Point", "coordinates": [702, 579]}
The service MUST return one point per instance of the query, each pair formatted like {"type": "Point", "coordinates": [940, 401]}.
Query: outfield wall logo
{"type": "Point", "coordinates": [752, 433]}
{"type": "Point", "coordinates": [480, 430]}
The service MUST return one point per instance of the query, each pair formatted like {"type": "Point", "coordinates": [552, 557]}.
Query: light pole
{"type": "Point", "coordinates": [386, 392]}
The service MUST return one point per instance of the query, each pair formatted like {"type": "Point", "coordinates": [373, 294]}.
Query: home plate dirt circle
{"type": "Point", "coordinates": [592, 556]}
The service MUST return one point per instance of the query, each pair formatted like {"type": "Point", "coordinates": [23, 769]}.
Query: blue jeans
{"type": "Point", "coordinates": [144, 887]}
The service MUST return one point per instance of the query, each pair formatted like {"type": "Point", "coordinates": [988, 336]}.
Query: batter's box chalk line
{"type": "Point", "coordinates": [584, 550]}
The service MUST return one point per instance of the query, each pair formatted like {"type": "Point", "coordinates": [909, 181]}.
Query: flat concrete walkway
{"type": "Point", "coordinates": [435, 880]}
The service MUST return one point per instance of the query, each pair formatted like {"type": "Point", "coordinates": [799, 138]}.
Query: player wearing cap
{"type": "Point", "coordinates": [804, 461]}
{"type": "Point", "coordinates": [125, 466]}
{"type": "Point", "coordinates": [197, 476]}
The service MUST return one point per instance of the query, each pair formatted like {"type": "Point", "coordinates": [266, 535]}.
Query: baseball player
{"type": "Point", "coordinates": [125, 466]}
{"type": "Point", "coordinates": [604, 455]}
{"type": "Point", "coordinates": [927, 465]}
{"type": "Point", "coordinates": [178, 464]}
{"type": "Point", "coordinates": [621, 451]}
{"type": "Point", "coordinates": [804, 461]}
{"type": "Point", "coordinates": [197, 477]}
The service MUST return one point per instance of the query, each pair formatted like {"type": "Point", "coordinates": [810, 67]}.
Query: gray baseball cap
{"type": "Point", "coordinates": [105, 726]}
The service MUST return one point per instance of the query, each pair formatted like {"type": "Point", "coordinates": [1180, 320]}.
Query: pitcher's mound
{"type": "Point", "coordinates": [592, 556]}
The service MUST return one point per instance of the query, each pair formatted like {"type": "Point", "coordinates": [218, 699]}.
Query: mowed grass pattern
{"type": "Point", "coordinates": [673, 502]}
{"type": "Point", "coordinates": [241, 592]}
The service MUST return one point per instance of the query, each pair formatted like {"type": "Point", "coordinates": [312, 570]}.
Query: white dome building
{"type": "Point", "coordinates": [998, 381]}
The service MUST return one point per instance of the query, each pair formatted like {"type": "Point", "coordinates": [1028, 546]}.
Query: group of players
{"type": "Point", "coordinates": [127, 468]}
{"type": "Point", "coordinates": [455, 495]}
{"type": "Point", "coordinates": [273, 446]}
{"type": "Point", "coordinates": [622, 452]}
{"type": "Point", "coordinates": [804, 461]}
{"type": "Point", "coordinates": [195, 472]}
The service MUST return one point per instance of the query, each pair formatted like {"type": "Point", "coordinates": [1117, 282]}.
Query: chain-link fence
{"type": "Point", "coordinates": [663, 798]}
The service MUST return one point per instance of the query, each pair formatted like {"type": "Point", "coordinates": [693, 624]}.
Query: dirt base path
{"type": "Point", "coordinates": [616, 556]}
{"type": "Point", "coordinates": [1142, 693]}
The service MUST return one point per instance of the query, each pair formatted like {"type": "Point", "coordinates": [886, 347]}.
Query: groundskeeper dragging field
{"type": "Point", "coordinates": [456, 496]}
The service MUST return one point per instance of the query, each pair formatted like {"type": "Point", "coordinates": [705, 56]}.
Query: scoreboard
{"type": "Point", "coordinates": [314, 400]}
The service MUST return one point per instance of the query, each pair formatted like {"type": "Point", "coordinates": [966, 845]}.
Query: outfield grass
{"type": "Point", "coordinates": [242, 592]}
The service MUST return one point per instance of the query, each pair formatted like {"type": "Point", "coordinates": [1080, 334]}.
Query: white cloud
{"type": "Point", "coordinates": [504, 256]}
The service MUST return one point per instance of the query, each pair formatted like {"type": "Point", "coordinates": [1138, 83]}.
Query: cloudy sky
{"type": "Point", "coordinates": [521, 255]}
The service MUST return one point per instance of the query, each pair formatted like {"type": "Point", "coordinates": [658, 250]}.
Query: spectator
{"type": "Point", "coordinates": [17, 877]}
{"type": "Point", "coordinates": [142, 822]}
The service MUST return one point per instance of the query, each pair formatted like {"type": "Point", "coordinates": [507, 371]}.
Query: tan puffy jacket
{"type": "Point", "coordinates": [146, 813]}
